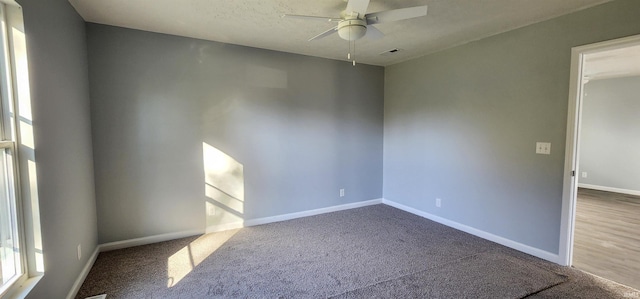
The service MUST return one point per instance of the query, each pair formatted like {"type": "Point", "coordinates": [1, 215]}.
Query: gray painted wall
{"type": "Point", "coordinates": [296, 130]}
{"type": "Point", "coordinates": [462, 124]}
{"type": "Point", "coordinates": [610, 138]}
{"type": "Point", "coordinates": [58, 71]}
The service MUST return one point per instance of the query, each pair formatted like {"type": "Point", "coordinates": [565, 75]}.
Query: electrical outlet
{"type": "Point", "coordinates": [543, 148]}
{"type": "Point", "coordinates": [584, 174]}
{"type": "Point", "coordinates": [211, 209]}
{"type": "Point", "coordinates": [79, 251]}
{"type": "Point", "coordinates": [438, 202]}
{"type": "Point", "coordinates": [341, 192]}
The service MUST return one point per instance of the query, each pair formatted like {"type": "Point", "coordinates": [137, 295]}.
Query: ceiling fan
{"type": "Point", "coordinates": [354, 22]}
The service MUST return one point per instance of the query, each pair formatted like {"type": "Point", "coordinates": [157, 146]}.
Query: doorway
{"type": "Point", "coordinates": [607, 66]}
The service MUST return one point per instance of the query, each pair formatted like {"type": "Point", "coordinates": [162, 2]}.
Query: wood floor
{"type": "Point", "coordinates": [607, 236]}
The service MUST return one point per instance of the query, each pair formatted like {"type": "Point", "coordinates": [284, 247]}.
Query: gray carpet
{"type": "Point", "coordinates": [485, 275]}
{"type": "Point", "coordinates": [375, 251]}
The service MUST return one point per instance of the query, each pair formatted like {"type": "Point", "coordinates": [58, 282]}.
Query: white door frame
{"type": "Point", "coordinates": [570, 186]}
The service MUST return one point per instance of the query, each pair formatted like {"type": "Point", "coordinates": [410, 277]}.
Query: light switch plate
{"type": "Point", "coordinates": [543, 148]}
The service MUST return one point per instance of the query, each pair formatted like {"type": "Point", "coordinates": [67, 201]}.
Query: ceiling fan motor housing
{"type": "Point", "coordinates": [352, 29]}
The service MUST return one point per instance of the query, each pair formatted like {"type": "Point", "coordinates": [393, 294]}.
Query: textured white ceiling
{"type": "Point", "coordinates": [257, 23]}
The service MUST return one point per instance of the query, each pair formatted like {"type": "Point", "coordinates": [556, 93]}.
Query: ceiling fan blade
{"type": "Point", "coordinates": [396, 14]}
{"type": "Point", "coordinates": [326, 33]}
{"type": "Point", "coordinates": [314, 18]}
{"type": "Point", "coordinates": [373, 33]}
{"type": "Point", "coordinates": [357, 6]}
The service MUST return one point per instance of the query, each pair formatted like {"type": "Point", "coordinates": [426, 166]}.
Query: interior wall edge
{"type": "Point", "coordinates": [83, 274]}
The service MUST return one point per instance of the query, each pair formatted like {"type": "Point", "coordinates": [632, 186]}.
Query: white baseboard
{"type": "Point", "coordinates": [223, 227]}
{"type": "Point", "coordinates": [284, 217]}
{"type": "Point", "coordinates": [609, 189]}
{"type": "Point", "coordinates": [308, 213]}
{"type": "Point", "coordinates": [148, 240]}
{"type": "Point", "coordinates": [83, 274]}
{"type": "Point", "coordinates": [552, 257]}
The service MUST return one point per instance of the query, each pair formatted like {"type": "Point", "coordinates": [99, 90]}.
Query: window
{"type": "Point", "coordinates": [20, 243]}
{"type": "Point", "coordinates": [10, 242]}
{"type": "Point", "coordinates": [10, 249]}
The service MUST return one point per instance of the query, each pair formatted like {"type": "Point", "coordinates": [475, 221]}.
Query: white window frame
{"type": "Point", "coordinates": [8, 142]}
{"type": "Point", "coordinates": [14, 93]}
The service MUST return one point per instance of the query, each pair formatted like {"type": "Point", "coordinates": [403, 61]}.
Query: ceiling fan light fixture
{"type": "Point", "coordinates": [353, 29]}
{"type": "Point", "coordinates": [354, 21]}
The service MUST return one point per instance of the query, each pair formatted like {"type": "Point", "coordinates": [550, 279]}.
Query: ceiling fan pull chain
{"type": "Point", "coordinates": [354, 53]}
{"type": "Point", "coordinates": [349, 53]}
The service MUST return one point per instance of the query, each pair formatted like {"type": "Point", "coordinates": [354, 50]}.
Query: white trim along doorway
{"type": "Point", "coordinates": [570, 186]}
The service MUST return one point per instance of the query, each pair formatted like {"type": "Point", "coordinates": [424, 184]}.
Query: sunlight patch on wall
{"type": "Point", "coordinates": [26, 135]}
{"type": "Point", "coordinates": [181, 263]}
{"type": "Point", "coordinates": [224, 187]}
{"type": "Point", "coordinates": [225, 199]}
{"type": "Point", "coordinates": [223, 172]}
{"type": "Point", "coordinates": [35, 216]}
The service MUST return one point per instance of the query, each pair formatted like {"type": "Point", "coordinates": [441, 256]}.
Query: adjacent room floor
{"type": "Point", "coordinates": [607, 235]}
{"type": "Point", "coordinates": [370, 252]}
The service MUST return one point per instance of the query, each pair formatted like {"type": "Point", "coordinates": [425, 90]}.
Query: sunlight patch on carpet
{"type": "Point", "coordinates": [181, 263]}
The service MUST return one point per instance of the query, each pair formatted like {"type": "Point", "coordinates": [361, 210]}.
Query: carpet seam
{"type": "Point", "coordinates": [547, 288]}
{"type": "Point", "coordinates": [413, 273]}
